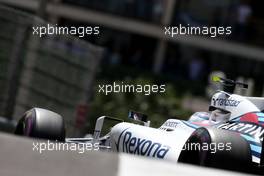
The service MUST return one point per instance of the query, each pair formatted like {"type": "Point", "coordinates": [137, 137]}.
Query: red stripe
{"type": "Point", "coordinates": [250, 117]}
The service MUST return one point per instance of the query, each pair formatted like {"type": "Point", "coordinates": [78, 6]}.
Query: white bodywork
{"type": "Point", "coordinates": [145, 141]}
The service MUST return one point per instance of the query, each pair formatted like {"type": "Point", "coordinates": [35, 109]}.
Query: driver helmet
{"type": "Point", "coordinates": [218, 112]}
{"type": "Point", "coordinates": [219, 116]}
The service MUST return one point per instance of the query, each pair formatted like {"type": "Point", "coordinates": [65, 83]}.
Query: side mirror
{"type": "Point", "coordinates": [41, 123]}
{"type": "Point", "coordinates": [137, 116]}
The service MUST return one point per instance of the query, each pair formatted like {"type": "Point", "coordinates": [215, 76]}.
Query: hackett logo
{"type": "Point", "coordinates": [129, 144]}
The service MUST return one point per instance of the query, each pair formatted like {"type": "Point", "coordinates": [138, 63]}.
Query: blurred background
{"type": "Point", "coordinates": [62, 73]}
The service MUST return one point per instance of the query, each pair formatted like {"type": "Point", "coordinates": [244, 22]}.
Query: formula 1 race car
{"type": "Point", "coordinates": [229, 136]}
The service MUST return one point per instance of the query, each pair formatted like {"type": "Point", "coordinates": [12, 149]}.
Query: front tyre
{"type": "Point", "coordinates": [41, 123]}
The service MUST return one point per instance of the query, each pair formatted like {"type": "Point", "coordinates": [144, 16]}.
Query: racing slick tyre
{"type": "Point", "coordinates": [217, 148]}
{"type": "Point", "coordinates": [41, 123]}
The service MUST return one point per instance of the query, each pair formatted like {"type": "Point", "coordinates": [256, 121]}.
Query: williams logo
{"type": "Point", "coordinates": [130, 144]}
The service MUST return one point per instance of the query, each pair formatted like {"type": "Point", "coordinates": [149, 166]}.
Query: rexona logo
{"type": "Point", "coordinates": [130, 144]}
{"type": "Point", "coordinates": [225, 102]}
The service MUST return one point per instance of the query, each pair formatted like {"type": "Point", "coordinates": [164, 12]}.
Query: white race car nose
{"type": "Point", "coordinates": [146, 141]}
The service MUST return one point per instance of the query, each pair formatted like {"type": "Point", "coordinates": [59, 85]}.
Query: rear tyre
{"type": "Point", "coordinates": [217, 148]}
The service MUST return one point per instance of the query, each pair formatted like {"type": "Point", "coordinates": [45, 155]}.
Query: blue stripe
{"type": "Point", "coordinates": [255, 148]}
{"type": "Point", "coordinates": [190, 125]}
{"type": "Point", "coordinates": [249, 138]}
{"type": "Point", "coordinates": [203, 117]}
{"type": "Point", "coordinates": [255, 143]}
{"type": "Point", "coordinates": [256, 154]}
{"type": "Point", "coordinates": [260, 114]}
{"type": "Point", "coordinates": [236, 119]}
{"type": "Point", "coordinates": [261, 119]}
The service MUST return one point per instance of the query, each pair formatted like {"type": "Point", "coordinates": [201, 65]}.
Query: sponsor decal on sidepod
{"type": "Point", "coordinates": [131, 144]}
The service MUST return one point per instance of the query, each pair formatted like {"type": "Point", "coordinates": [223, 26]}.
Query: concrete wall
{"type": "Point", "coordinates": [53, 72]}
